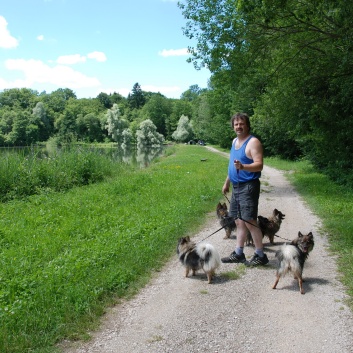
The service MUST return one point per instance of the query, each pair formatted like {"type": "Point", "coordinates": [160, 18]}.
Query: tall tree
{"type": "Point", "coordinates": [136, 98]}
{"type": "Point", "coordinates": [184, 130]}
{"type": "Point", "coordinates": [115, 124]}
{"type": "Point", "coordinates": [157, 109]}
{"type": "Point", "coordinates": [40, 119]}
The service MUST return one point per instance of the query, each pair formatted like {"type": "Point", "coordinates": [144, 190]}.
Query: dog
{"type": "Point", "coordinates": [225, 220]}
{"type": "Point", "coordinates": [198, 256]}
{"type": "Point", "coordinates": [270, 226]}
{"type": "Point", "coordinates": [291, 258]}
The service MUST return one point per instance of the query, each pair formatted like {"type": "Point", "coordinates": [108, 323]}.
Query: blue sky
{"type": "Point", "coordinates": [96, 46]}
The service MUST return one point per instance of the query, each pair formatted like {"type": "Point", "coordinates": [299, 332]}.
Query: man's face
{"type": "Point", "coordinates": [240, 127]}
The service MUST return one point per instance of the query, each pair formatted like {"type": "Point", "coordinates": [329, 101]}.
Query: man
{"type": "Point", "coordinates": [244, 171]}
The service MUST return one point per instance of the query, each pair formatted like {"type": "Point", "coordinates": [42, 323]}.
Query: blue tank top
{"type": "Point", "coordinates": [239, 154]}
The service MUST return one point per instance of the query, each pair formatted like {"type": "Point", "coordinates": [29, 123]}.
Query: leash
{"type": "Point", "coordinates": [238, 216]}
{"type": "Point", "coordinates": [211, 234]}
{"type": "Point", "coordinates": [282, 238]}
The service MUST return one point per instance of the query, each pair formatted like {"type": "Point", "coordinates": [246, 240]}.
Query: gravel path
{"type": "Point", "coordinates": [187, 315]}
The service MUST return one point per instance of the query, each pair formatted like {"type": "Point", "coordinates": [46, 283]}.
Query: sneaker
{"type": "Point", "coordinates": [234, 258]}
{"type": "Point", "coordinates": [256, 260]}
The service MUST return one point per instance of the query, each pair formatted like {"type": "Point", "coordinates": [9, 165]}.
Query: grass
{"type": "Point", "coordinates": [333, 205]}
{"type": "Point", "coordinates": [66, 256]}
{"type": "Point", "coordinates": [23, 174]}
{"type": "Point", "coordinates": [237, 273]}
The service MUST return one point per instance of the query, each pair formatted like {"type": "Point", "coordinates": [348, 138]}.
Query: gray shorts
{"type": "Point", "coordinates": [248, 194]}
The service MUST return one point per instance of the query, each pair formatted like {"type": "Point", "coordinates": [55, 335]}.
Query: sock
{"type": "Point", "coordinates": [239, 251]}
{"type": "Point", "coordinates": [259, 252]}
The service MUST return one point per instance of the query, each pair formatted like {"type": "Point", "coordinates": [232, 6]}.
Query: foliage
{"type": "Point", "coordinates": [157, 109]}
{"type": "Point", "coordinates": [180, 107]}
{"type": "Point", "coordinates": [184, 131]}
{"type": "Point", "coordinates": [286, 63]}
{"type": "Point", "coordinates": [147, 135]}
{"type": "Point", "coordinates": [115, 125]}
{"type": "Point", "coordinates": [24, 174]}
{"type": "Point", "coordinates": [127, 138]}
{"type": "Point", "coordinates": [136, 98]}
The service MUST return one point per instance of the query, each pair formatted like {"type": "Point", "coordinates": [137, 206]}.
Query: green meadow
{"type": "Point", "coordinates": [68, 254]}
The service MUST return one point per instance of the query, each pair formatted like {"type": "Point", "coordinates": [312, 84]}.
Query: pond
{"type": "Point", "coordinates": [141, 157]}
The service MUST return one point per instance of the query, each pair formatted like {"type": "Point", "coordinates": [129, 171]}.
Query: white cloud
{"type": "Point", "coordinates": [174, 52]}
{"type": "Point", "coordinates": [77, 58]}
{"type": "Point", "coordinates": [97, 55]}
{"type": "Point", "coordinates": [40, 37]}
{"type": "Point", "coordinates": [70, 59]}
{"type": "Point", "coordinates": [6, 39]}
{"type": "Point", "coordinates": [35, 71]}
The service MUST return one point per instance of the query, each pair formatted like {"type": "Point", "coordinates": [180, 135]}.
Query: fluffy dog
{"type": "Point", "coordinates": [291, 258]}
{"type": "Point", "coordinates": [270, 226]}
{"type": "Point", "coordinates": [198, 256]}
{"type": "Point", "coordinates": [225, 220]}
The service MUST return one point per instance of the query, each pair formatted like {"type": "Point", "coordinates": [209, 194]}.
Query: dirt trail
{"type": "Point", "coordinates": [187, 315]}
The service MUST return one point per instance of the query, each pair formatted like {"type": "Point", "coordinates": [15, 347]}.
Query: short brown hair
{"type": "Point", "coordinates": [241, 116]}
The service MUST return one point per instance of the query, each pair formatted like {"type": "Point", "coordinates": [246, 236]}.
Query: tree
{"type": "Point", "coordinates": [184, 131]}
{"type": "Point", "coordinates": [191, 94]}
{"type": "Point", "coordinates": [40, 119]}
{"type": "Point", "coordinates": [23, 98]}
{"type": "Point", "coordinates": [57, 100]}
{"type": "Point", "coordinates": [147, 136]}
{"type": "Point", "coordinates": [136, 98]}
{"type": "Point", "coordinates": [127, 139]}
{"type": "Point", "coordinates": [179, 107]}
{"type": "Point", "coordinates": [202, 120]}
{"type": "Point", "coordinates": [157, 109]}
{"type": "Point", "coordinates": [18, 135]}
{"type": "Point", "coordinates": [115, 125]}
{"type": "Point", "coordinates": [89, 128]}
{"type": "Point", "coordinates": [104, 98]}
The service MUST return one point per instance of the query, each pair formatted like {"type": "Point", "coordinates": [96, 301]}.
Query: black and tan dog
{"type": "Point", "coordinates": [270, 226]}
{"type": "Point", "coordinates": [198, 256]}
{"type": "Point", "coordinates": [225, 220]}
{"type": "Point", "coordinates": [291, 258]}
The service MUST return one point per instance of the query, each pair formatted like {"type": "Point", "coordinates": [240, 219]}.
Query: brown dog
{"type": "Point", "coordinates": [270, 226]}
{"type": "Point", "coordinates": [291, 258]}
{"type": "Point", "coordinates": [225, 220]}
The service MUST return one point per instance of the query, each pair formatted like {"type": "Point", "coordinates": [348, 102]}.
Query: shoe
{"type": "Point", "coordinates": [256, 260]}
{"type": "Point", "coordinates": [234, 258]}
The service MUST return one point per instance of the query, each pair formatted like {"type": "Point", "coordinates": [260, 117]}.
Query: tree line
{"type": "Point", "coordinates": [28, 117]}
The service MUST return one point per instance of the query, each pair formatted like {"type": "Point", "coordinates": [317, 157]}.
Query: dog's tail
{"type": "Point", "coordinates": [209, 255]}
{"type": "Point", "coordinates": [288, 258]}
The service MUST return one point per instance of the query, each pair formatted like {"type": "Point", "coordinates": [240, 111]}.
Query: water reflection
{"type": "Point", "coordinates": [131, 155]}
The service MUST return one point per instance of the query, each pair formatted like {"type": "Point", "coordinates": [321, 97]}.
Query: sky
{"type": "Point", "coordinates": [93, 46]}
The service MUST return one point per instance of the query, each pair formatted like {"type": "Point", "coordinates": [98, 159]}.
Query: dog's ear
{"type": "Point", "coordinates": [300, 234]}
{"type": "Point", "coordinates": [187, 238]}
